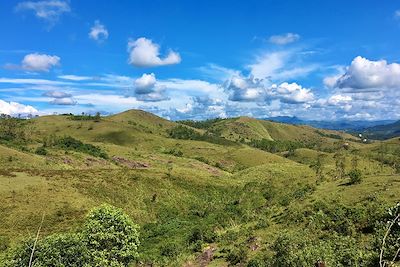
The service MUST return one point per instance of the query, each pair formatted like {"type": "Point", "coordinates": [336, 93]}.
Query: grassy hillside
{"type": "Point", "coordinates": [208, 199]}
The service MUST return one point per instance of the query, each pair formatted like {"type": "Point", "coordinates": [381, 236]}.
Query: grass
{"type": "Point", "coordinates": [232, 193]}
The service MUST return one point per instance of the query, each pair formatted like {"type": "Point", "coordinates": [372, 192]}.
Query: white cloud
{"type": "Point", "coordinates": [39, 62]}
{"type": "Point", "coordinates": [32, 81]}
{"type": "Point", "coordinates": [57, 94]}
{"type": "Point", "coordinates": [240, 88]}
{"type": "Point", "coordinates": [284, 38]}
{"type": "Point", "coordinates": [144, 53]}
{"type": "Point", "coordinates": [280, 65]}
{"type": "Point", "coordinates": [66, 101]}
{"type": "Point", "coordinates": [217, 72]}
{"type": "Point", "coordinates": [145, 84]}
{"type": "Point", "coordinates": [397, 14]}
{"type": "Point", "coordinates": [364, 74]}
{"type": "Point", "coordinates": [267, 64]}
{"type": "Point", "coordinates": [190, 85]}
{"type": "Point", "coordinates": [50, 10]}
{"type": "Point", "coordinates": [75, 77]}
{"type": "Point", "coordinates": [148, 89]}
{"type": "Point", "coordinates": [339, 99]}
{"type": "Point", "coordinates": [14, 108]}
{"type": "Point", "coordinates": [291, 93]}
{"type": "Point", "coordinates": [98, 32]}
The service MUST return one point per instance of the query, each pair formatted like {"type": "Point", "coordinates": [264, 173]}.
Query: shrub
{"type": "Point", "coordinates": [70, 143]}
{"type": "Point", "coordinates": [58, 250]}
{"type": "Point", "coordinates": [355, 176]}
{"type": "Point", "coordinates": [174, 151]}
{"type": "Point", "coordinates": [41, 151]}
{"type": "Point", "coordinates": [169, 250]}
{"type": "Point", "coordinates": [111, 237]}
{"type": "Point", "coordinates": [237, 255]}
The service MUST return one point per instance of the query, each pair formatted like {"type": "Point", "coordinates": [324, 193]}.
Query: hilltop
{"type": "Point", "coordinates": [211, 193]}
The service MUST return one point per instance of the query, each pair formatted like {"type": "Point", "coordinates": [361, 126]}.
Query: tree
{"type": "Point", "coordinates": [111, 237]}
{"type": "Point", "coordinates": [340, 164]}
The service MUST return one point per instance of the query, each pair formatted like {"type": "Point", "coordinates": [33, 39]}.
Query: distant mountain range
{"type": "Point", "coordinates": [382, 129]}
{"type": "Point", "coordinates": [344, 125]}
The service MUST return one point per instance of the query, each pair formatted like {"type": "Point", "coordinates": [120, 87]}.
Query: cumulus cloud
{"type": "Point", "coordinates": [144, 53]}
{"type": "Point", "coordinates": [14, 108]}
{"type": "Point", "coordinates": [200, 107]}
{"type": "Point", "coordinates": [147, 88]}
{"type": "Point", "coordinates": [291, 93]}
{"type": "Point", "coordinates": [39, 62]}
{"type": "Point", "coordinates": [145, 84]}
{"type": "Point", "coordinates": [49, 11]}
{"type": "Point", "coordinates": [240, 88]}
{"type": "Point", "coordinates": [284, 39]}
{"type": "Point", "coordinates": [364, 74]}
{"type": "Point", "coordinates": [36, 62]}
{"type": "Point", "coordinates": [98, 32]}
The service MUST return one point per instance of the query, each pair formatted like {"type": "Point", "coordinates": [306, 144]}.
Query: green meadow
{"type": "Point", "coordinates": [228, 192]}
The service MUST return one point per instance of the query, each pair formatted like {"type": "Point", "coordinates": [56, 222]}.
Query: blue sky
{"type": "Point", "coordinates": [324, 60]}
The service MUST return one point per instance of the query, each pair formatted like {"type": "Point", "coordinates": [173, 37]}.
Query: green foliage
{"type": "Point", "coordinates": [111, 237]}
{"type": "Point", "coordinates": [329, 135]}
{"type": "Point", "coordinates": [70, 143]}
{"type": "Point", "coordinates": [236, 256]}
{"type": "Point", "coordinates": [186, 133]}
{"type": "Point", "coordinates": [58, 250]}
{"type": "Point", "coordinates": [340, 164]}
{"type": "Point", "coordinates": [388, 236]}
{"type": "Point", "coordinates": [276, 146]}
{"type": "Point", "coordinates": [298, 249]}
{"type": "Point", "coordinates": [205, 124]}
{"type": "Point", "coordinates": [174, 151]}
{"type": "Point", "coordinates": [41, 151]}
{"type": "Point", "coordinates": [169, 250]}
{"type": "Point", "coordinates": [13, 129]}
{"type": "Point", "coordinates": [85, 117]}
{"type": "Point", "coordinates": [355, 176]}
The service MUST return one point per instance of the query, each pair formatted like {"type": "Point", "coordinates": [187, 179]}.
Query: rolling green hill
{"type": "Point", "coordinates": [202, 195]}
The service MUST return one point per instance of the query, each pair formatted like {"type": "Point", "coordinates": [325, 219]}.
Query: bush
{"type": "Point", "coordinates": [169, 250]}
{"type": "Point", "coordinates": [70, 143]}
{"type": "Point", "coordinates": [111, 237]}
{"type": "Point", "coordinates": [355, 176]}
{"type": "Point", "coordinates": [58, 250]}
{"type": "Point", "coordinates": [237, 255]}
{"type": "Point", "coordinates": [41, 151]}
{"type": "Point", "coordinates": [296, 249]}
{"type": "Point", "coordinates": [174, 151]}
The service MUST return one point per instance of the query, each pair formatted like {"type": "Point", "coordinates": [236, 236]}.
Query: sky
{"type": "Point", "coordinates": [317, 60]}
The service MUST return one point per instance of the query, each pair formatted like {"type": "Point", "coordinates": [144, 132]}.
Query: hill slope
{"type": "Point", "coordinates": [193, 197]}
